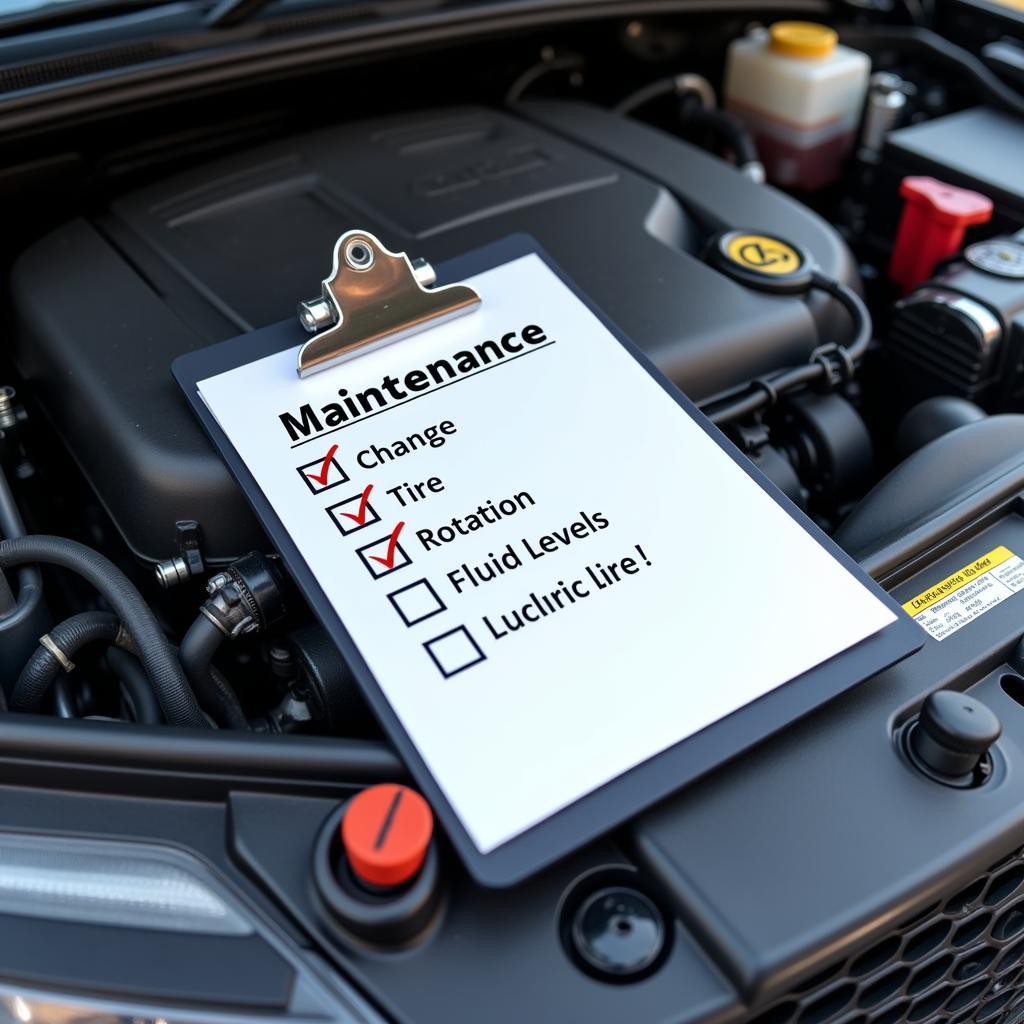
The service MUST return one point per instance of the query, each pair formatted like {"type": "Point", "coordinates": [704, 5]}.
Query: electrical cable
{"type": "Point", "coordinates": [924, 40]}
{"type": "Point", "coordinates": [198, 647]}
{"type": "Point", "coordinates": [680, 85]}
{"type": "Point", "coordinates": [176, 698]}
{"type": "Point", "coordinates": [854, 305]}
{"type": "Point", "coordinates": [644, 95]}
{"type": "Point", "coordinates": [567, 62]}
{"type": "Point", "coordinates": [830, 364]}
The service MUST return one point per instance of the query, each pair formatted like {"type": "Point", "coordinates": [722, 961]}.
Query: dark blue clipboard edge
{"type": "Point", "coordinates": [652, 780]}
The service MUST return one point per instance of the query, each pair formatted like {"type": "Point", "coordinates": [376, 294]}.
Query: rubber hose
{"type": "Point", "coordinates": [177, 701]}
{"type": "Point", "coordinates": [199, 645]}
{"type": "Point", "coordinates": [132, 677]}
{"type": "Point", "coordinates": [949, 54]}
{"type": "Point", "coordinates": [727, 127]}
{"type": "Point", "coordinates": [69, 636]}
{"type": "Point", "coordinates": [231, 708]}
{"type": "Point", "coordinates": [22, 624]}
{"type": "Point", "coordinates": [64, 704]}
{"type": "Point", "coordinates": [11, 526]}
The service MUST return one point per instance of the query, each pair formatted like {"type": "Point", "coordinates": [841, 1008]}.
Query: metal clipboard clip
{"type": "Point", "coordinates": [372, 298]}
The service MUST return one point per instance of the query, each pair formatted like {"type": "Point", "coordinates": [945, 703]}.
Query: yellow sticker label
{"type": "Point", "coordinates": [951, 584]}
{"type": "Point", "coordinates": [763, 254]}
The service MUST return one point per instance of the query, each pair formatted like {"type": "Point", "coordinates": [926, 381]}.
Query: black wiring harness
{"type": "Point", "coordinates": [830, 366]}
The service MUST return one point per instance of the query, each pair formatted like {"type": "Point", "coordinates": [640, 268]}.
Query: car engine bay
{"type": "Point", "coordinates": [164, 682]}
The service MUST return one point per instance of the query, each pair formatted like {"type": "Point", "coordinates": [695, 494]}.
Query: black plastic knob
{"type": "Point", "coordinates": [953, 735]}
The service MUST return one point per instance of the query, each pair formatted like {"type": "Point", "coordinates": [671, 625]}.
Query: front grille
{"type": "Point", "coordinates": [959, 961]}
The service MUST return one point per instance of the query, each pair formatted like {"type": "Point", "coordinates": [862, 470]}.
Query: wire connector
{"type": "Point", "coordinates": [836, 363]}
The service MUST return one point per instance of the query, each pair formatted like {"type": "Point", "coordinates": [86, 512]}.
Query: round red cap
{"type": "Point", "coordinates": [385, 832]}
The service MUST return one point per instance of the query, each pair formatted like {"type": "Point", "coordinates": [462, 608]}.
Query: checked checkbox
{"type": "Point", "coordinates": [324, 473]}
{"type": "Point", "coordinates": [354, 513]}
{"type": "Point", "coordinates": [384, 556]}
{"type": "Point", "coordinates": [455, 651]}
{"type": "Point", "coordinates": [417, 602]}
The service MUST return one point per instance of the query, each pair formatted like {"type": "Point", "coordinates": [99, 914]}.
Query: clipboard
{"type": "Point", "coordinates": [623, 796]}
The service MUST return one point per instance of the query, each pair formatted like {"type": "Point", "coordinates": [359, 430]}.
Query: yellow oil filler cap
{"type": "Point", "coordinates": [762, 254]}
{"type": "Point", "coordinates": [804, 39]}
{"type": "Point", "coordinates": [764, 262]}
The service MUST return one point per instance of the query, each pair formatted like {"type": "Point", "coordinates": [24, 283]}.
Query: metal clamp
{"type": "Point", "coordinates": [372, 298]}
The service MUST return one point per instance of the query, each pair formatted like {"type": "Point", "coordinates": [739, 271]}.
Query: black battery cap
{"type": "Point", "coordinates": [952, 735]}
{"type": "Point", "coordinates": [618, 933]}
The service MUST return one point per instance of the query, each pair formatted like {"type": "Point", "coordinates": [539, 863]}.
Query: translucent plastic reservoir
{"type": "Point", "coordinates": [801, 95]}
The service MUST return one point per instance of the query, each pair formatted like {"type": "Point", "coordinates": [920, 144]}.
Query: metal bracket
{"type": "Point", "coordinates": [372, 298]}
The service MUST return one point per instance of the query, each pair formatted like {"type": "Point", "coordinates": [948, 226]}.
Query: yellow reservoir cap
{"type": "Point", "coordinates": [805, 39]}
{"type": "Point", "coordinates": [763, 254]}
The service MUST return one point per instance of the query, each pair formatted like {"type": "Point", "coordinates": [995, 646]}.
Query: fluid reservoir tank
{"type": "Point", "coordinates": [800, 93]}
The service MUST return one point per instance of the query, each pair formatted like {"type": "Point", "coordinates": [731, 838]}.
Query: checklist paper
{"type": "Point", "coordinates": [552, 570]}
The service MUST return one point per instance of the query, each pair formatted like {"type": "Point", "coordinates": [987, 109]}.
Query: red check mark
{"type": "Point", "coordinates": [360, 516]}
{"type": "Point", "coordinates": [325, 469]}
{"type": "Point", "coordinates": [389, 561]}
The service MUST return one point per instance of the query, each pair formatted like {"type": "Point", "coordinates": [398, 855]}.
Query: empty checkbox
{"type": "Point", "coordinates": [454, 651]}
{"type": "Point", "coordinates": [417, 602]}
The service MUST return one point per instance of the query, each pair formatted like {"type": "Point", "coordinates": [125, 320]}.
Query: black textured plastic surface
{"type": "Point", "coordinates": [961, 960]}
{"type": "Point", "coordinates": [229, 971]}
{"type": "Point", "coordinates": [938, 476]}
{"type": "Point", "coordinates": [979, 148]}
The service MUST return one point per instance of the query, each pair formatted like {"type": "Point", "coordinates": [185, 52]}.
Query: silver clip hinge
{"type": "Point", "coordinates": [372, 298]}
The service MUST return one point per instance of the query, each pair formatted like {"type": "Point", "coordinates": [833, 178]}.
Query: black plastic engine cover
{"type": "Point", "coordinates": [105, 306]}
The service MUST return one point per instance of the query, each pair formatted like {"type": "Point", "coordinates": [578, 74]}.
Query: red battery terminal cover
{"type": "Point", "coordinates": [935, 217]}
